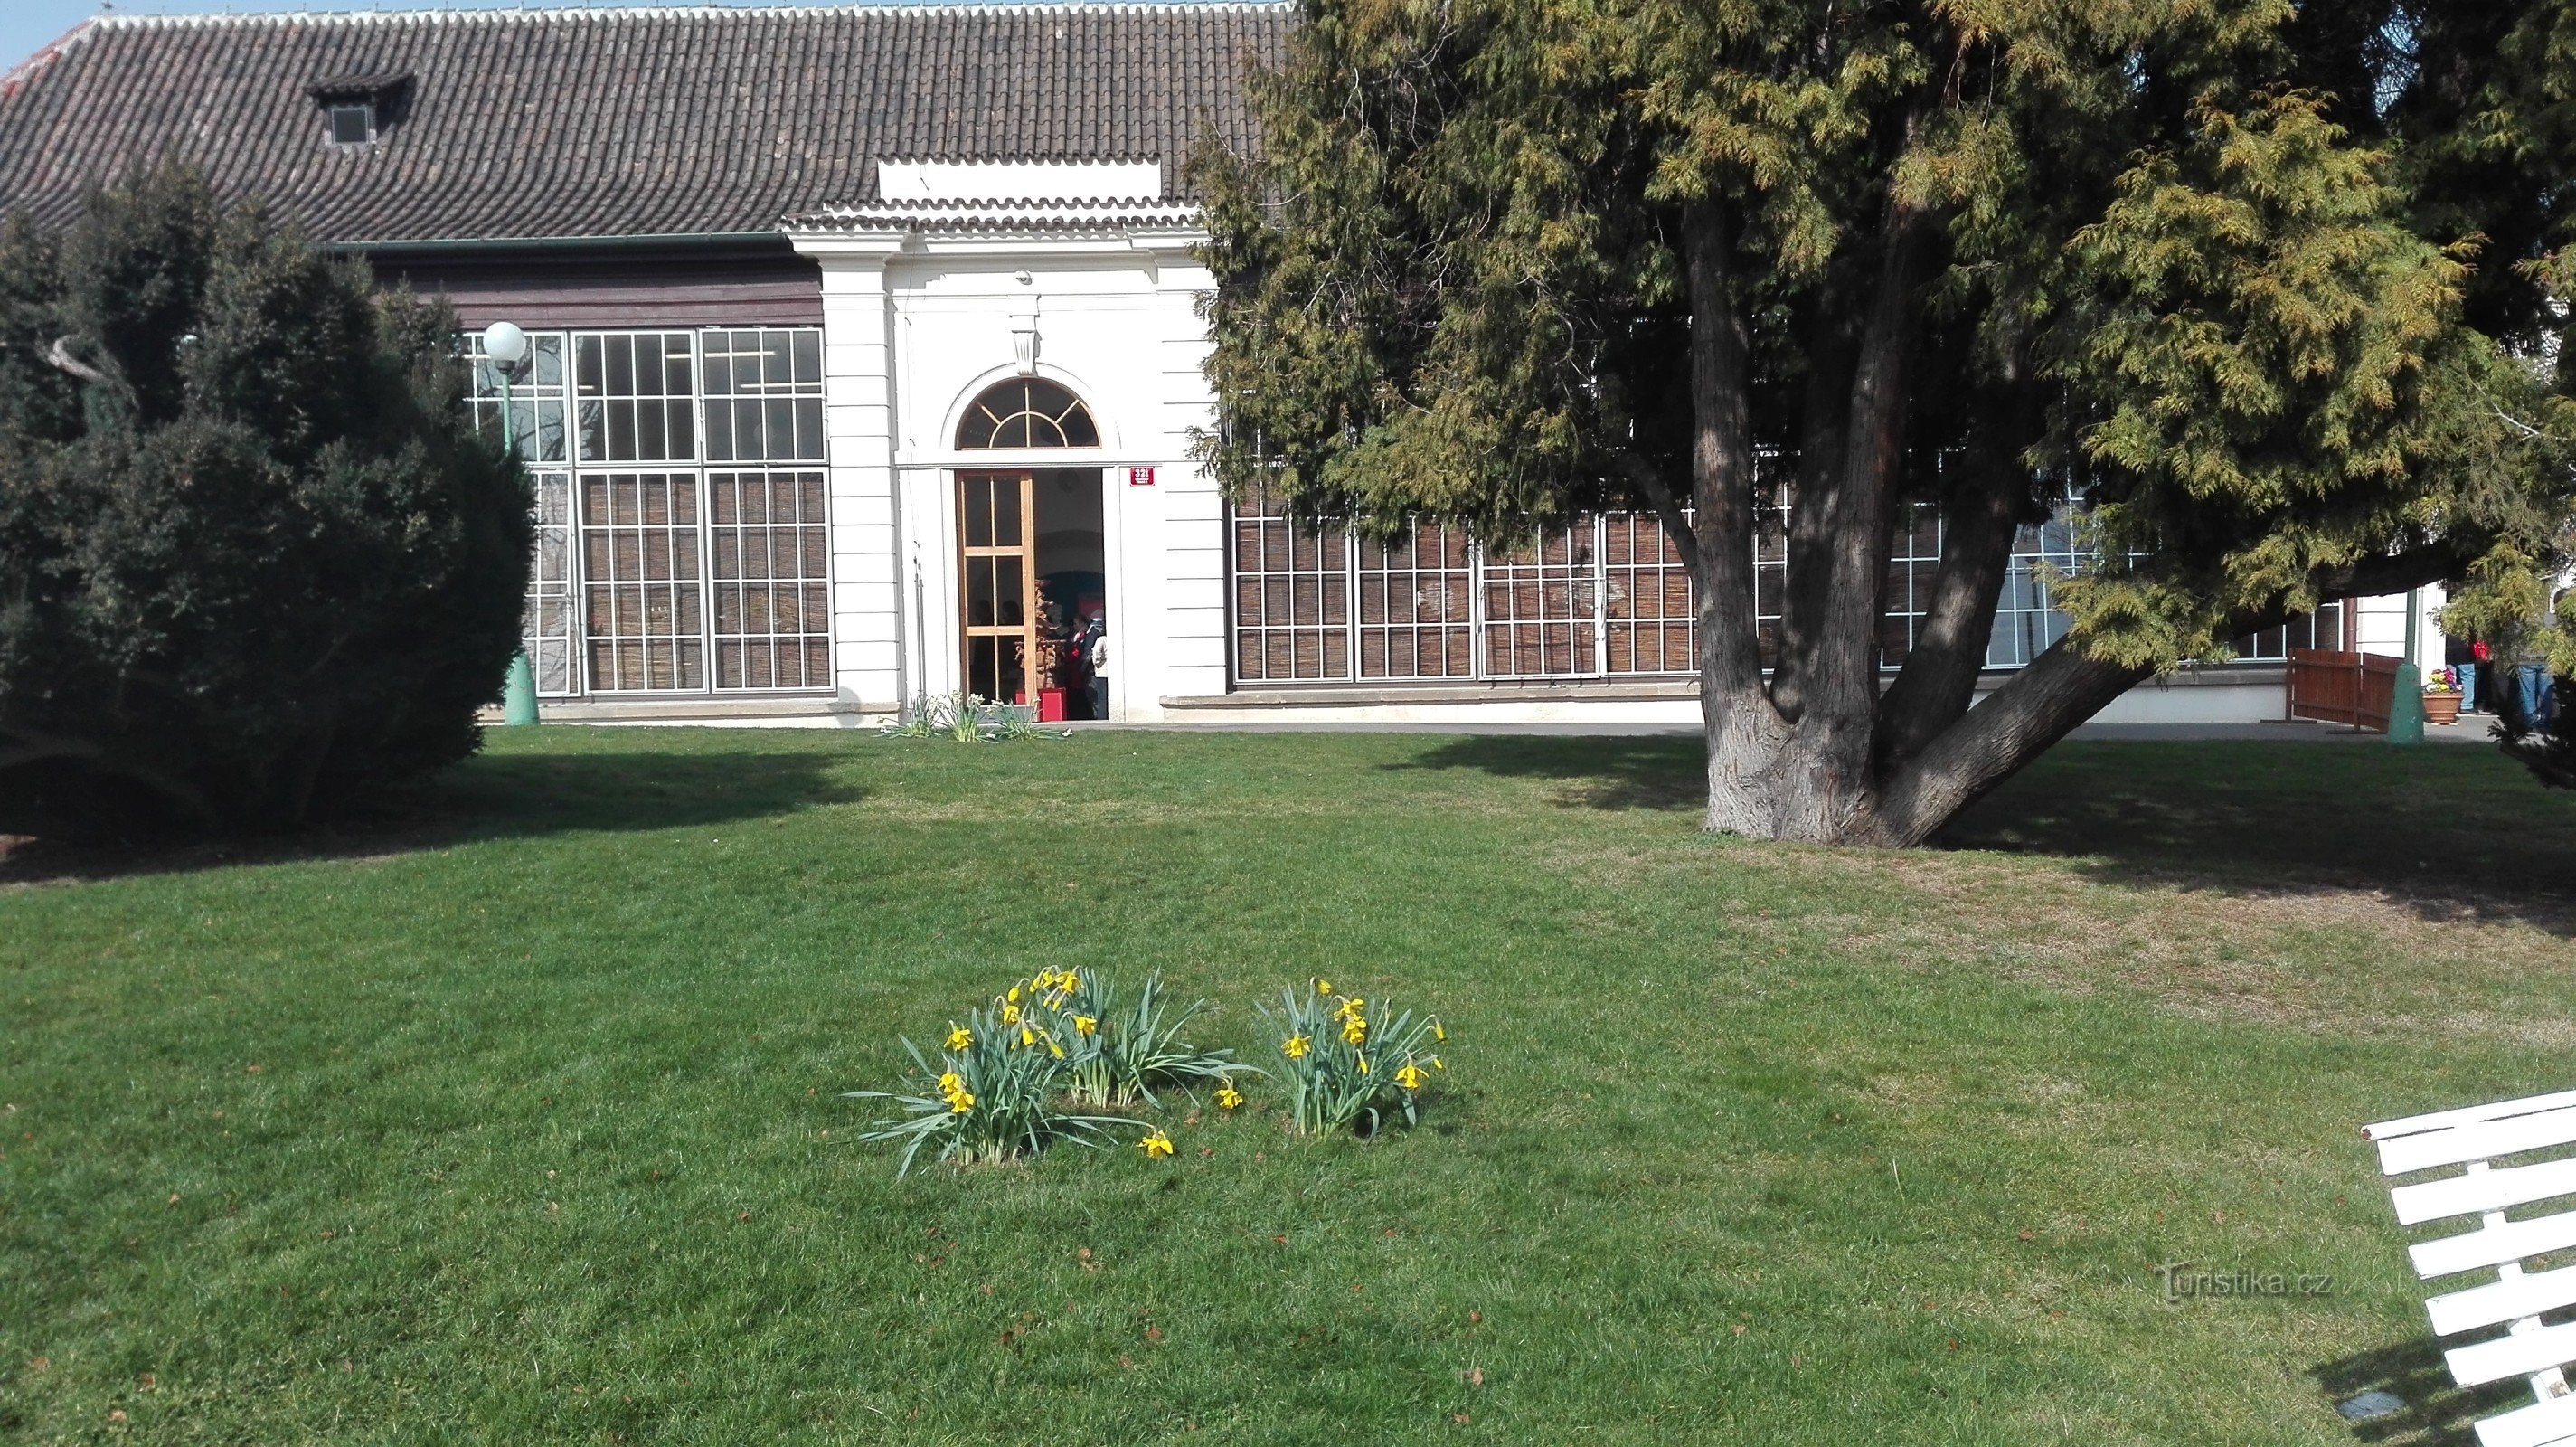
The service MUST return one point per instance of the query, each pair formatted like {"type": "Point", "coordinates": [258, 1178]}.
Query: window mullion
{"type": "Point", "coordinates": [1479, 666]}
{"type": "Point", "coordinates": [1351, 606]}
{"type": "Point", "coordinates": [1600, 597]}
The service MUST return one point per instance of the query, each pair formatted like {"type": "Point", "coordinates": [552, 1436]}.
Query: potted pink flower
{"type": "Point", "coordinates": [2442, 696]}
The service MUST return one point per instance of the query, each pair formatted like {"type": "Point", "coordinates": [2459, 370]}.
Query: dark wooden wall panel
{"type": "Point", "coordinates": [627, 288]}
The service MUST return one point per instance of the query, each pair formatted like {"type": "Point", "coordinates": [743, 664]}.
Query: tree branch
{"type": "Point", "coordinates": [2035, 708]}
{"type": "Point", "coordinates": [2413, 567]}
{"type": "Point", "coordinates": [2064, 687]}
{"type": "Point", "coordinates": [1658, 492]}
{"type": "Point", "coordinates": [1722, 487]}
{"type": "Point", "coordinates": [1939, 678]}
{"type": "Point", "coordinates": [60, 358]}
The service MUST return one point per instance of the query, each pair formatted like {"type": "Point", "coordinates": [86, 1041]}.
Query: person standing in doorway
{"type": "Point", "coordinates": [1091, 645]}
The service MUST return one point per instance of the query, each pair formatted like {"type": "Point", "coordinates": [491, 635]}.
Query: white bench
{"type": "Point", "coordinates": [2481, 1140]}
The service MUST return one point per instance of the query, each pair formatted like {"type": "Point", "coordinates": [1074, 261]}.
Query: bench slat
{"type": "Point", "coordinates": [2494, 1246]}
{"type": "Point", "coordinates": [2512, 1356]}
{"type": "Point", "coordinates": [2499, 1302]}
{"type": "Point", "coordinates": [2466, 1115]}
{"type": "Point", "coordinates": [2541, 1425]}
{"type": "Point", "coordinates": [2484, 1141]}
{"type": "Point", "coordinates": [2483, 1191]}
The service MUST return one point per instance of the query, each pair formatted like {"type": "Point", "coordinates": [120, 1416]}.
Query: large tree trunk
{"type": "Point", "coordinates": [1743, 730]}
{"type": "Point", "coordinates": [1818, 752]}
{"type": "Point", "coordinates": [1794, 760]}
{"type": "Point", "coordinates": [1981, 515]}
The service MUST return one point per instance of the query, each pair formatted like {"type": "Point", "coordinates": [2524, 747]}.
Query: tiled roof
{"type": "Point", "coordinates": [666, 122]}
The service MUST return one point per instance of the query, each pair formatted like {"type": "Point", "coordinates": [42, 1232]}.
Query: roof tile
{"type": "Point", "coordinates": [652, 122]}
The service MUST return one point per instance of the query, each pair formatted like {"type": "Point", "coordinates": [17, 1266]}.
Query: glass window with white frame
{"type": "Point", "coordinates": [680, 548]}
{"type": "Point", "coordinates": [1605, 596]}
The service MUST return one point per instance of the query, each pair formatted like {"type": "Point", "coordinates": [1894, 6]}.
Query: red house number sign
{"type": "Point", "coordinates": [1140, 477]}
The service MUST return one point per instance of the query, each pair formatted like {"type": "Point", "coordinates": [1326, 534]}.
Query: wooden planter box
{"type": "Point", "coordinates": [2441, 708]}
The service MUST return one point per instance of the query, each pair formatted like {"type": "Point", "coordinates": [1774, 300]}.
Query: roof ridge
{"type": "Point", "coordinates": [915, 10]}
{"type": "Point", "coordinates": [53, 50]}
{"type": "Point", "coordinates": [969, 203]}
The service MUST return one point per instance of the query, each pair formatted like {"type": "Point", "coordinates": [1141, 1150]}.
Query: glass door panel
{"type": "Point", "coordinates": [996, 580]}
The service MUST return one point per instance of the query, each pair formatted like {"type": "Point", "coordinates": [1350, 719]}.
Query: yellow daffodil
{"type": "Point", "coordinates": [1227, 1097]}
{"type": "Point", "coordinates": [1010, 1014]}
{"type": "Point", "coordinates": [951, 1083]}
{"type": "Point", "coordinates": [1436, 1065]}
{"type": "Point", "coordinates": [960, 1103]}
{"type": "Point", "coordinates": [1351, 1007]}
{"type": "Point", "coordinates": [1437, 1033]}
{"type": "Point", "coordinates": [1156, 1145]}
{"type": "Point", "coordinates": [1354, 1031]}
{"type": "Point", "coordinates": [1028, 1036]}
{"type": "Point", "coordinates": [1410, 1077]}
{"type": "Point", "coordinates": [1363, 1065]}
{"type": "Point", "coordinates": [959, 1037]}
{"type": "Point", "coordinates": [1014, 996]}
{"type": "Point", "coordinates": [1294, 1047]}
{"type": "Point", "coordinates": [1056, 1049]}
{"type": "Point", "coordinates": [1323, 987]}
{"type": "Point", "coordinates": [1085, 1024]}
{"type": "Point", "coordinates": [1068, 980]}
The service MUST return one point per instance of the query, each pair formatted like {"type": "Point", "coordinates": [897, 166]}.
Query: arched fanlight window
{"type": "Point", "coordinates": [1025, 412]}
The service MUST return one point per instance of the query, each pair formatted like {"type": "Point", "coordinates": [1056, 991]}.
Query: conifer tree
{"type": "Point", "coordinates": [2270, 286]}
{"type": "Point", "coordinates": [255, 566]}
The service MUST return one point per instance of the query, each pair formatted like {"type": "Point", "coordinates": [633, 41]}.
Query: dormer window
{"type": "Point", "coordinates": [357, 110]}
{"type": "Point", "coordinates": [353, 123]}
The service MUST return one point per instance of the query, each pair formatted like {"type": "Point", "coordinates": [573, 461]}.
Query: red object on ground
{"type": "Point", "coordinates": [1051, 705]}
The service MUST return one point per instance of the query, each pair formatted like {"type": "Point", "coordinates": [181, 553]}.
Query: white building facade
{"type": "Point", "coordinates": [867, 358]}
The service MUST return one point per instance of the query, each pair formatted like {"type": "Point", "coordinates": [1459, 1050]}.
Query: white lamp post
{"type": "Point", "coordinates": [505, 346]}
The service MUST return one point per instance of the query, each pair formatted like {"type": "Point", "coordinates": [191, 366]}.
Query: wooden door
{"type": "Point", "coordinates": [998, 576]}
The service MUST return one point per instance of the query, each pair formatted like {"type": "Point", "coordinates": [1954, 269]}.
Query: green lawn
{"type": "Point", "coordinates": [519, 1124]}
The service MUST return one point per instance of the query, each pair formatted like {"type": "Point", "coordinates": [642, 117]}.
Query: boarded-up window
{"type": "Point", "coordinates": [1540, 598]}
{"type": "Point", "coordinates": [1292, 593]}
{"type": "Point", "coordinates": [773, 607]}
{"type": "Point", "coordinates": [642, 599]}
{"type": "Point", "coordinates": [1416, 605]}
{"type": "Point", "coordinates": [1647, 597]}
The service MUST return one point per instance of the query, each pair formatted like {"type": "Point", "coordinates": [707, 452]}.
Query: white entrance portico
{"type": "Point", "coordinates": [937, 295]}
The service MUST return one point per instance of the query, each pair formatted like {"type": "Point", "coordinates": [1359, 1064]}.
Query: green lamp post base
{"type": "Point", "coordinates": [2406, 707]}
{"type": "Point", "coordinates": [519, 693]}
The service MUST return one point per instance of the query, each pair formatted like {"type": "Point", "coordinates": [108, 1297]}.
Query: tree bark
{"type": "Point", "coordinates": [1831, 356]}
{"type": "Point", "coordinates": [2061, 689]}
{"type": "Point", "coordinates": [1939, 678]}
{"type": "Point", "coordinates": [1743, 730]}
{"type": "Point", "coordinates": [2039, 705]}
{"type": "Point", "coordinates": [1820, 785]}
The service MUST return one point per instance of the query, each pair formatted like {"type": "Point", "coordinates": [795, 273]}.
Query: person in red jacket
{"type": "Point", "coordinates": [2466, 656]}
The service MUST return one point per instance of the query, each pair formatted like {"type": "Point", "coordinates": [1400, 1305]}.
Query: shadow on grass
{"type": "Point", "coordinates": [1593, 772]}
{"type": "Point", "coordinates": [490, 797]}
{"type": "Point", "coordinates": [2436, 1414]}
{"type": "Point", "coordinates": [2449, 832]}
